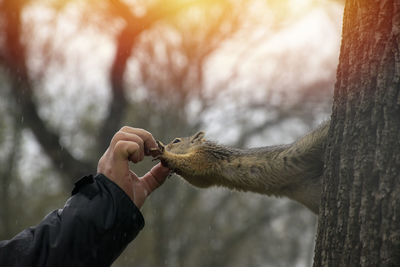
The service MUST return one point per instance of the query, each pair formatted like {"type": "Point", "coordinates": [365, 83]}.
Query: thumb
{"type": "Point", "coordinates": [155, 177]}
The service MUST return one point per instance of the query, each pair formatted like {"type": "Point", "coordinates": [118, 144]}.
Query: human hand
{"type": "Point", "coordinates": [131, 144]}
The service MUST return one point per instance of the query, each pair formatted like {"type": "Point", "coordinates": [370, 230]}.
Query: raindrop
{"type": "Point", "coordinates": [22, 119]}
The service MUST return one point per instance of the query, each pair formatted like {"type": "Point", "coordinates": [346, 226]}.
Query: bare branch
{"type": "Point", "coordinates": [125, 43]}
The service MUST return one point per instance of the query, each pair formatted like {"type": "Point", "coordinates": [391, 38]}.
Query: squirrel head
{"type": "Point", "coordinates": [185, 145]}
{"type": "Point", "coordinates": [185, 156]}
{"type": "Point", "coordinates": [180, 145]}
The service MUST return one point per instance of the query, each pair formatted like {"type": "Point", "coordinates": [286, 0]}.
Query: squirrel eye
{"type": "Point", "coordinates": [176, 140]}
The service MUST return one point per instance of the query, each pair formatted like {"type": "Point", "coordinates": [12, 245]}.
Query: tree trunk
{"type": "Point", "coordinates": [359, 222]}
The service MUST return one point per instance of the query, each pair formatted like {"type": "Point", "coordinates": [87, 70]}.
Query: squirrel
{"type": "Point", "coordinates": [292, 170]}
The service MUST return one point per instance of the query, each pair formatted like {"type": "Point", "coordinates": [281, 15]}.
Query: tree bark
{"type": "Point", "coordinates": [359, 222]}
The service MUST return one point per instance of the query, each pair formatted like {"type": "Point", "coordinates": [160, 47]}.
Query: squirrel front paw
{"type": "Point", "coordinates": [157, 153]}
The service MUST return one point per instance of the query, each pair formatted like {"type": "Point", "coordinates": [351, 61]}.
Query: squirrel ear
{"type": "Point", "coordinates": [198, 136]}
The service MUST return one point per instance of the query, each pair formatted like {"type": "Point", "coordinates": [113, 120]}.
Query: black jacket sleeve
{"type": "Point", "coordinates": [94, 227]}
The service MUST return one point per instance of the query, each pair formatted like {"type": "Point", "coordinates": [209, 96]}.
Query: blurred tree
{"type": "Point", "coordinates": [359, 225]}
{"type": "Point", "coordinates": [157, 79]}
{"type": "Point", "coordinates": [10, 143]}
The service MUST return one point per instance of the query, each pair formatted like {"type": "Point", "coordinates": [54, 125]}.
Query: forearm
{"type": "Point", "coordinates": [92, 229]}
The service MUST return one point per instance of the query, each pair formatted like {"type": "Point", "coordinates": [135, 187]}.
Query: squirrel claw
{"type": "Point", "coordinates": [157, 152]}
{"type": "Point", "coordinates": [161, 146]}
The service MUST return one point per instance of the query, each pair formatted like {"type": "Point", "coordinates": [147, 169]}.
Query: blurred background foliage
{"type": "Point", "coordinates": [248, 72]}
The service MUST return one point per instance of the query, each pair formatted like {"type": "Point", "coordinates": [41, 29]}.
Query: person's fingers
{"type": "Point", "coordinates": [155, 177]}
{"type": "Point", "coordinates": [148, 139]}
{"type": "Point", "coordinates": [127, 150]}
{"type": "Point", "coordinates": [125, 136]}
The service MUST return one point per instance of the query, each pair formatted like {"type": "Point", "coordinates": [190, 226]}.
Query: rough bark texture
{"type": "Point", "coordinates": [359, 223]}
